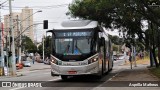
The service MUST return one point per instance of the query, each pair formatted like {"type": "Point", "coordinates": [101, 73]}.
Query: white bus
{"type": "Point", "coordinates": [80, 47]}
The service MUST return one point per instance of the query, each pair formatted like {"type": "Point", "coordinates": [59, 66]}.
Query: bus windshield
{"type": "Point", "coordinates": [70, 46]}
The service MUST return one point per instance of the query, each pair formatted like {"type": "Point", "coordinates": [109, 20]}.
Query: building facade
{"type": "Point", "coordinates": [21, 21]}
{"type": "Point", "coordinates": [27, 22]}
{"type": "Point", "coordinates": [16, 17]}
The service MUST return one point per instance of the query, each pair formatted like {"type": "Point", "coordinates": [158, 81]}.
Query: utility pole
{"type": "Point", "coordinates": [1, 43]}
{"type": "Point", "coordinates": [12, 44]}
{"type": "Point", "coordinates": [35, 32]}
{"type": "Point", "coordinates": [20, 39]}
{"type": "Point", "coordinates": [43, 47]}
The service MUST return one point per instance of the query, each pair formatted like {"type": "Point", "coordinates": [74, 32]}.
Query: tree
{"type": "Point", "coordinates": [116, 40]}
{"type": "Point", "coordinates": [115, 48]}
{"type": "Point", "coordinates": [125, 15]}
{"type": "Point", "coordinates": [28, 45]}
{"type": "Point", "coordinates": [47, 46]}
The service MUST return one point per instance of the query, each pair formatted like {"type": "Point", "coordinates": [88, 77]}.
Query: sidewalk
{"type": "Point", "coordinates": [34, 67]}
{"type": "Point", "coordinates": [139, 73]}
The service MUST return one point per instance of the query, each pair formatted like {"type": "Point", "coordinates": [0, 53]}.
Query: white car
{"type": "Point", "coordinates": [26, 63]}
{"type": "Point", "coordinates": [121, 57]}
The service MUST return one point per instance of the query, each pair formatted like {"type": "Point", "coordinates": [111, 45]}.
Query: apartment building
{"type": "Point", "coordinates": [25, 20]}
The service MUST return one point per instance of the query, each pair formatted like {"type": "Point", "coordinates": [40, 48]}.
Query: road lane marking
{"type": "Point", "coordinates": [21, 72]}
{"type": "Point", "coordinates": [55, 79]}
{"type": "Point", "coordinates": [47, 73]}
{"type": "Point", "coordinates": [105, 81]}
{"type": "Point", "coordinates": [114, 75]}
{"type": "Point", "coordinates": [17, 88]}
{"type": "Point", "coordinates": [109, 79]}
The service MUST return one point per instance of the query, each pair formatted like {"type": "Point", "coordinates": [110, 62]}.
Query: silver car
{"type": "Point", "coordinates": [26, 63]}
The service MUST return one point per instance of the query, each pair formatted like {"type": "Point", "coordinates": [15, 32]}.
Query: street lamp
{"type": "Point", "coordinates": [31, 15]}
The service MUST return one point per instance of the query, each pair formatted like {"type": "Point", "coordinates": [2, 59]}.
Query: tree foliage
{"type": "Point", "coordinates": [124, 15]}
{"type": "Point", "coordinates": [116, 40]}
{"type": "Point", "coordinates": [47, 46]}
{"type": "Point", "coordinates": [28, 45]}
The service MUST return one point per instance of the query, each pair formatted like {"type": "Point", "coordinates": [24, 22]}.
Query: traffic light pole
{"type": "Point", "coordinates": [43, 47]}
{"type": "Point", "coordinates": [20, 39]}
{"type": "Point", "coordinates": [12, 43]}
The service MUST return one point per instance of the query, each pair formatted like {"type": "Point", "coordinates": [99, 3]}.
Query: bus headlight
{"type": "Point", "coordinates": [53, 61]}
{"type": "Point", "coordinates": [92, 60]}
{"type": "Point", "coordinates": [57, 62]}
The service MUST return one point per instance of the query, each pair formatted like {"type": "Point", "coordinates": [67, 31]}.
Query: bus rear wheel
{"type": "Point", "coordinates": [64, 77]}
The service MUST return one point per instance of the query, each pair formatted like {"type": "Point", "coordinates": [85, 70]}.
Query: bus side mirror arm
{"type": "Point", "coordinates": [101, 41]}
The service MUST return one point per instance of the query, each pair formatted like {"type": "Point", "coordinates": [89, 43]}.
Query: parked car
{"type": "Point", "coordinates": [26, 63]}
{"type": "Point", "coordinates": [38, 59]}
{"type": "Point", "coordinates": [47, 61]}
{"type": "Point", "coordinates": [118, 57]}
{"type": "Point", "coordinates": [19, 66]}
{"type": "Point", "coordinates": [114, 57]}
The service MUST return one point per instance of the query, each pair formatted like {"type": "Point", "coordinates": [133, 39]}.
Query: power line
{"type": "Point", "coordinates": [3, 2]}
{"type": "Point", "coordinates": [40, 7]}
{"type": "Point", "coordinates": [15, 9]}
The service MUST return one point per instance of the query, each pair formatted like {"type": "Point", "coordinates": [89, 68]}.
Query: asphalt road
{"type": "Point", "coordinates": [74, 83]}
{"type": "Point", "coordinates": [56, 82]}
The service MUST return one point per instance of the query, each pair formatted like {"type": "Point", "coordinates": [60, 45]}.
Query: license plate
{"type": "Point", "coordinates": [72, 72]}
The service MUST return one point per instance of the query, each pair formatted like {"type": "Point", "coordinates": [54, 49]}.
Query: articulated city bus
{"type": "Point", "coordinates": [80, 47]}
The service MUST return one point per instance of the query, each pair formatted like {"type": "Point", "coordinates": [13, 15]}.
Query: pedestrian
{"type": "Point", "coordinates": [130, 57]}
{"type": "Point", "coordinates": [142, 55]}
{"type": "Point", "coordinates": [33, 59]}
{"type": "Point", "coordinates": [125, 57]}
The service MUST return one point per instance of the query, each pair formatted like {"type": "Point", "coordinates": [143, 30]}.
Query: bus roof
{"type": "Point", "coordinates": [76, 24]}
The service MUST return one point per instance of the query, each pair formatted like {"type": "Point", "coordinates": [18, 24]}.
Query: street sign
{"type": "Point", "coordinates": [5, 71]}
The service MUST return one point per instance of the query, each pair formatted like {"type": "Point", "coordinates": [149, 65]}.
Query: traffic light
{"type": "Point", "coordinates": [45, 24]}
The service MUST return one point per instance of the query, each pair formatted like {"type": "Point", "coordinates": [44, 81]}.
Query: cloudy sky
{"type": "Point", "coordinates": [52, 10]}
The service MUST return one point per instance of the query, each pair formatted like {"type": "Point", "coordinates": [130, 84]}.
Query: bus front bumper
{"type": "Point", "coordinates": [92, 68]}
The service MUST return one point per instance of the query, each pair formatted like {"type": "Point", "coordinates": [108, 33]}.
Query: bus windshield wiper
{"type": "Point", "coordinates": [76, 50]}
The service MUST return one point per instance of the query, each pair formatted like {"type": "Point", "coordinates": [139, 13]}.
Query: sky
{"type": "Point", "coordinates": [52, 10]}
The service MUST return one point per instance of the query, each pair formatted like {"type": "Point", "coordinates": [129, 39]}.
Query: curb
{"type": "Point", "coordinates": [19, 75]}
{"type": "Point", "coordinates": [39, 69]}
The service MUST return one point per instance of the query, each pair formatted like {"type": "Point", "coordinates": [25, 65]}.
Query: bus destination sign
{"type": "Point", "coordinates": [72, 34]}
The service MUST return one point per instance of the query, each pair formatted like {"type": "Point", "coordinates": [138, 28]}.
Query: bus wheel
{"type": "Point", "coordinates": [64, 77]}
{"type": "Point", "coordinates": [98, 76]}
